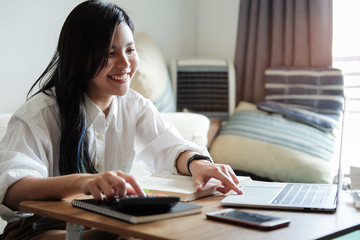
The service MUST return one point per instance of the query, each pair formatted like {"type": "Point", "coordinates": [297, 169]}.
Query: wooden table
{"type": "Point", "coordinates": [304, 225]}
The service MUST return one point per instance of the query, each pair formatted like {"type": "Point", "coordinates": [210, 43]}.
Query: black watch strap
{"type": "Point", "coordinates": [196, 157]}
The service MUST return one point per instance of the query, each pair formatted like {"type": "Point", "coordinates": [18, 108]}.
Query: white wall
{"type": "Point", "coordinates": [172, 24]}
{"type": "Point", "coordinates": [28, 37]}
{"type": "Point", "coordinates": [29, 31]}
{"type": "Point", "coordinates": [217, 28]}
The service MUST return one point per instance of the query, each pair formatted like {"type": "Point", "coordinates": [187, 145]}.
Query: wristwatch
{"type": "Point", "coordinates": [196, 157]}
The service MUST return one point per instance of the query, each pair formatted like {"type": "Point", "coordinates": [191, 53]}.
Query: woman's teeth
{"type": "Point", "coordinates": [119, 77]}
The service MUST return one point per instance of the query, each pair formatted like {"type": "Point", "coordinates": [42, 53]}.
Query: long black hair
{"type": "Point", "coordinates": [81, 53]}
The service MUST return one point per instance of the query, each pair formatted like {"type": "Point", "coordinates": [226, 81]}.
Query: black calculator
{"type": "Point", "coordinates": [149, 201]}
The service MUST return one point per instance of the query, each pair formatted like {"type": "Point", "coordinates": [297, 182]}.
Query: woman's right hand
{"type": "Point", "coordinates": [109, 184]}
{"type": "Point", "coordinates": [99, 185]}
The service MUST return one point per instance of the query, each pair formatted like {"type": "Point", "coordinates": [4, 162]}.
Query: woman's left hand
{"type": "Point", "coordinates": [202, 171]}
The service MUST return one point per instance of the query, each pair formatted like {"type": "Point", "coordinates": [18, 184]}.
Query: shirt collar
{"type": "Point", "coordinates": [113, 110]}
{"type": "Point", "coordinates": [93, 111]}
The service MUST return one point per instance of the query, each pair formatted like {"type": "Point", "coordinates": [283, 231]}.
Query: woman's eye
{"type": "Point", "coordinates": [112, 53]}
{"type": "Point", "coordinates": [131, 50]}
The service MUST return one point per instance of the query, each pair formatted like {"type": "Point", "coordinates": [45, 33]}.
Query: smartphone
{"type": "Point", "coordinates": [249, 219]}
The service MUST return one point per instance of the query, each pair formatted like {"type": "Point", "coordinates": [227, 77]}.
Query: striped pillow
{"type": "Point", "coordinates": [314, 96]}
{"type": "Point", "coordinates": [274, 147]}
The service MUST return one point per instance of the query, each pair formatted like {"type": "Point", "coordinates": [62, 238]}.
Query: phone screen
{"type": "Point", "coordinates": [247, 218]}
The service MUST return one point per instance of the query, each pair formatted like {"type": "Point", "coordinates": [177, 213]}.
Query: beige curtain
{"type": "Point", "coordinates": [280, 33]}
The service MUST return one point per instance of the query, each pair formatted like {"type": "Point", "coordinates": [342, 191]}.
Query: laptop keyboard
{"type": "Point", "coordinates": [303, 194]}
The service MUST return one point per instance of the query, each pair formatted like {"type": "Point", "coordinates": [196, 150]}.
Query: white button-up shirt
{"type": "Point", "coordinates": [133, 130]}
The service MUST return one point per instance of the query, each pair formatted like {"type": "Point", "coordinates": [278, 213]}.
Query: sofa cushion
{"type": "Point", "coordinates": [272, 146]}
{"type": "Point", "coordinates": [152, 79]}
{"type": "Point", "coordinates": [314, 96]}
{"type": "Point", "coordinates": [191, 126]}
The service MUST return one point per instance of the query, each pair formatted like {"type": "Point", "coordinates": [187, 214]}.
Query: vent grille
{"type": "Point", "coordinates": [203, 89]}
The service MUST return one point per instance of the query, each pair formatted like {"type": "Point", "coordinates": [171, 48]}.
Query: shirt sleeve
{"type": "Point", "coordinates": [21, 155]}
{"type": "Point", "coordinates": [159, 143]}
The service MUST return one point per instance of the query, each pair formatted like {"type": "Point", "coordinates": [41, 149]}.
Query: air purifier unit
{"type": "Point", "coordinates": [204, 85]}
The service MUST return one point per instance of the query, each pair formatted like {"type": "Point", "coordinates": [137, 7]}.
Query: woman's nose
{"type": "Point", "coordinates": [122, 61]}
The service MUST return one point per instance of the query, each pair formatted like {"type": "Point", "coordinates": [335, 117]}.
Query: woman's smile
{"type": "Point", "coordinates": [121, 78]}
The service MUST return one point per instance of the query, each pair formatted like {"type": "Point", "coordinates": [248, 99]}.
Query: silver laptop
{"type": "Point", "coordinates": [290, 196]}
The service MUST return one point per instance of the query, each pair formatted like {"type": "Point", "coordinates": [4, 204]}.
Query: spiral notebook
{"type": "Point", "coordinates": [136, 215]}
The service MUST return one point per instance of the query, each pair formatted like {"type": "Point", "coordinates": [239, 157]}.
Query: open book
{"type": "Point", "coordinates": [179, 185]}
{"type": "Point", "coordinates": [136, 214]}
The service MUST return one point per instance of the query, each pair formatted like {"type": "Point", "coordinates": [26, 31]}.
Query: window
{"type": "Point", "coordinates": [346, 56]}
